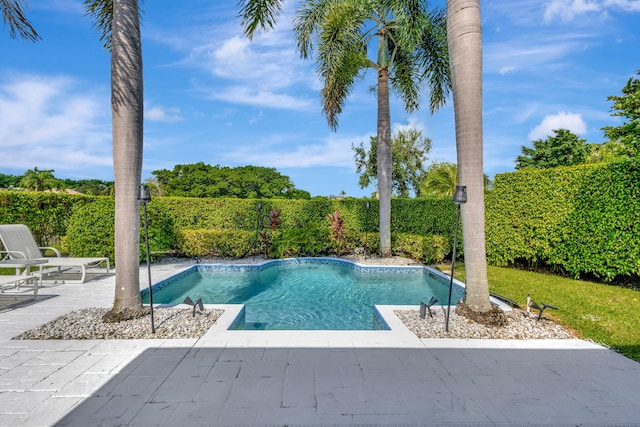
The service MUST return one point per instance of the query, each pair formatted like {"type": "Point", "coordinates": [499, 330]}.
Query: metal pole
{"type": "Point", "coordinates": [366, 231]}
{"type": "Point", "coordinates": [453, 265]}
{"type": "Point", "coordinates": [146, 239]}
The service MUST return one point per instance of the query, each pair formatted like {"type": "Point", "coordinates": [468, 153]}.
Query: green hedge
{"type": "Point", "coordinates": [584, 220]}
{"type": "Point", "coordinates": [310, 241]}
{"type": "Point", "coordinates": [91, 230]}
{"type": "Point", "coordinates": [416, 216]}
{"type": "Point", "coordinates": [46, 214]}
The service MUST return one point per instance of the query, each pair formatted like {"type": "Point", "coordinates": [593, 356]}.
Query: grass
{"type": "Point", "coordinates": [606, 314]}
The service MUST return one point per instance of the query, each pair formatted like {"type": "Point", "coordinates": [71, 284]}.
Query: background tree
{"type": "Point", "coordinates": [202, 180]}
{"type": "Point", "coordinates": [409, 151]}
{"type": "Point", "coordinates": [441, 179]}
{"type": "Point", "coordinates": [39, 180]}
{"type": "Point", "coordinates": [9, 181]}
{"type": "Point", "coordinates": [610, 151]}
{"type": "Point", "coordinates": [464, 28]}
{"type": "Point", "coordinates": [14, 17]}
{"type": "Point", "coordinates": [627, 105]}
{"type": "Point", "coordinates": [93, 187]}
{"type": "Point", "coordinates": [119, 24]}
{"type": "Point", "coordinates": [564, 148]}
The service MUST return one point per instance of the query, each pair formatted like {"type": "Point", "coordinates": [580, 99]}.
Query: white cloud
{"type": "Point", "coordinates": [49, 122]}
{"type": "Point", "coordinates": [261, 98]}
{"type": "Point", "coordinates": [413, 122]}
{"type": "Point", "coordinates": [568, 10]}
{"type": "Point", "coordinates": [266, 71]}
{"type": "Point", "coordinates": [160, 114]}
{"type": "Point", "coordinates": [529, 53]}
{"type": "Point", "coordinates": [332, 151]}
{"type": "Point", "coordinates": [562, 120]}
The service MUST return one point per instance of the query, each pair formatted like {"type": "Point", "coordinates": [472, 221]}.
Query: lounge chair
{"type": "Point", "coordinates": [15, 282]}
{"type": "Point", "coordinates": [19, 243]}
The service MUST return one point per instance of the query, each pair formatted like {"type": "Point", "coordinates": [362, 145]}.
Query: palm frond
{"type": "Point", "coordinates": [259, 14]}
{"type": "Point", "coordinates": [433, 55]}
{"type": "Point", "coordinates": [405, 78]}
{"type": "Point", "coordinates": [14, 17]}
{"type": "Point", "coordinates": [102, 13]}
{"type": "Point", "coordinates": [342, 55]}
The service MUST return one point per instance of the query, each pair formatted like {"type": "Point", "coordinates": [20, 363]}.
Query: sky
{"type": "Point", "coordinates": [213, 96]}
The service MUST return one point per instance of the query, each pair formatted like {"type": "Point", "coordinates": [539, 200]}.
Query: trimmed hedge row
{"type": "Point", "coordinates": [46, 214]}
{"type": "Point", "coordinates": [91, 230]}
{"type": "Point", "coordinates": [416, 216]}
{"type": "Point", "coordinates": [584, 220]}
{"type": "Point", "coordinates": [303, 242]}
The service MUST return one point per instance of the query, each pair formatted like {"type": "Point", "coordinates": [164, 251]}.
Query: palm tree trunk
{"type": "Point", "coordinates": [127, 111]}
{"type": "Point", "coordinates": [464, 32]}
{"type": "Point", "coordinates": [384, 162]}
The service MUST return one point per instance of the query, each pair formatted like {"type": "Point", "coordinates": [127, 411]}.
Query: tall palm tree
{"type": "Point", "coordinates": [119, 21]}
{"type": "Point", "coordinates": [411, 51]}
{"type": "Point", "coordinates": [14, 17]}
{"type": "Point", "coordinates": [465, 49]}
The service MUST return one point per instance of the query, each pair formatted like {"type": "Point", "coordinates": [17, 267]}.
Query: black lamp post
{"type": "Point", "coordinates": [459, 198]}
{"type": "Point", "coordinates": [144, 197]}
{"type": "Point", "coordinates": [366, 230]}
{"type": "Point", "coordinates": [258, 220]}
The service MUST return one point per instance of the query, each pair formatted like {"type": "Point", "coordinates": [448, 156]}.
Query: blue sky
{"type": "Point", "coordinates": [212, 96]}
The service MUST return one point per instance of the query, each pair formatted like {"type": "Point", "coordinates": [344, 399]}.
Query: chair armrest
{"type": "Point", "coordinates": [13, 254]}
{"type": "Point", "coordinates": [45, 248]}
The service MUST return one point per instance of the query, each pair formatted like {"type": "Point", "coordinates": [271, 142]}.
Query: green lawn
{"type": "Point", "coordinates": [605, 314]}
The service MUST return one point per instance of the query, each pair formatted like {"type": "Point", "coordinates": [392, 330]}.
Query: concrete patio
{"type": "Point", "coordinates": [249, 378]}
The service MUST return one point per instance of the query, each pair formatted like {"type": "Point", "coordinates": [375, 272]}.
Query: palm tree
{"type": "Point", "coordinates": [119, 22]}
{"type": "Point", "coordinates": [464, 28]}
{"type": "Point", "coordinates": [410, 52]}
{"type": "Point", "coordinates": [441, 179]}
{"type": "Point", "coordinates": [39, 180]}
{"type": "Point", "coordinates": [14, 17]}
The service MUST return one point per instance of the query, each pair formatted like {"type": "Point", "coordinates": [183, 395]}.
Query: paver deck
{"type": "Point", "coordinates": [250, 378]}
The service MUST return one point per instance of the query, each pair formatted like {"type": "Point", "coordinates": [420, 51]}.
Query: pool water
{"type": "Point", "coordinates": [306, 294]}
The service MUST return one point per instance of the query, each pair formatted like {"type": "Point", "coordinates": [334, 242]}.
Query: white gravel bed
{"type": "Point", "coordinates": [519, 326]}
{"type": "Point", "coordinates": [170, 323]}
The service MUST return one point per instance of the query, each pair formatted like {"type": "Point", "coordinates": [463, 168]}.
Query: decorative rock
{"type": "Point", "coordinates": [518, 326]}
{"type": "Point", "coordinates": [170, 323]}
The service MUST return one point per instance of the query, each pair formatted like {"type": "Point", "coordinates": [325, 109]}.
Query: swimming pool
{"type": "Point", "coordinates": [305, 293]}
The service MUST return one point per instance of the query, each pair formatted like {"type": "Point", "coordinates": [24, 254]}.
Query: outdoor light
{"type": "Point", "coordinates": [144, 197]}
{"type": "Point", "coordinates": [144, 194]}
{"type": "Point", "coordinates": [198, 304]}
{"type": "Point", "coordinates": [459, 198]}
{"type": "Point", "coordinates": [424, 307]}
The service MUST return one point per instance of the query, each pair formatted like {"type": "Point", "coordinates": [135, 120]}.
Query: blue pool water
{"type": "Point", "coordinates": [305, 293]}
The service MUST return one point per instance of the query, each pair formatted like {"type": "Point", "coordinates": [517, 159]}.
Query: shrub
{"type": "Point", "coordinates": [584, 220]}
{"type": "Point", "coordinates": [428, 249]}
{"type": "Point", "coordinates": [46, 214]}
{"type": "Point", "coordinates": [216, 243]}
{"type": "Point", "coordinates": [91, 230]}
